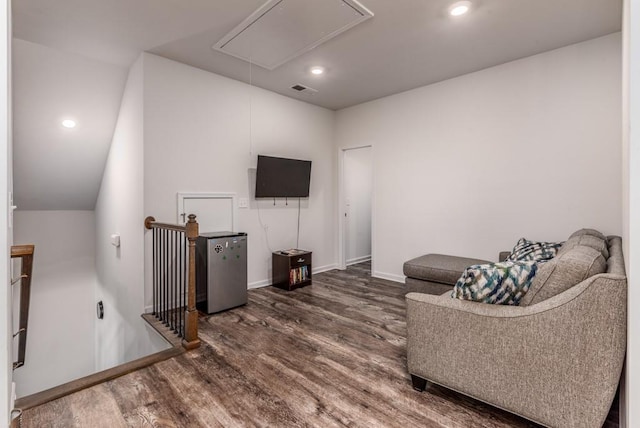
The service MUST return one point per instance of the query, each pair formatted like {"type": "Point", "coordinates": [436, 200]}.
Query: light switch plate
{"type": "Point", "coordinates": [115, 240]}
{"type": "Point", "coordinates": [243, 202]}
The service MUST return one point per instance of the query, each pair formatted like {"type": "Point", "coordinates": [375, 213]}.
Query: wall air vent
{"type": "Point", "coordinates": [280, 30]}
{"type": "Point", "coordinates": [303, 89]}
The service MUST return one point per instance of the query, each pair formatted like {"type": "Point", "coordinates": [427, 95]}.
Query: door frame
{"type": "Point", "coordinates": [208, 195]}
{"type": "Point", "coordinates": [342, 205]}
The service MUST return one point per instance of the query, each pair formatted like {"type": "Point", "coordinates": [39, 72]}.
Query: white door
{"type": "Point", "coordinates": [358, 187]}
{"type": "Point", "coordinates": [215, 212]}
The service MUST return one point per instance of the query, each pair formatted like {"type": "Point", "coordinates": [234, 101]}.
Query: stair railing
{"type": "Point", "coordinates": [174, 277]}
{"type": "Point", "coordinates": [25, 254]}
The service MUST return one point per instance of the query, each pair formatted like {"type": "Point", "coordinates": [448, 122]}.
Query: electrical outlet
{"type": "Point", "coordinates": [243, 202]}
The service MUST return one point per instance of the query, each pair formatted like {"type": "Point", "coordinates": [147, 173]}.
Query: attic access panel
{"type": "Point", "coordinates": [281, 30]}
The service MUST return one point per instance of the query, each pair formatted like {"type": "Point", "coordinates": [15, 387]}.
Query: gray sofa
{"type": "Point", "coordinates": [555, 360]}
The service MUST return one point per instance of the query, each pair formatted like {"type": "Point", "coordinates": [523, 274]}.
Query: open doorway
{"type": "Point", "coordinates": [356, 193]}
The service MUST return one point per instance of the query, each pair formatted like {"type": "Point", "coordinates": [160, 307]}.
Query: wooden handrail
{"type": "Point", "coordinates": [22, 251]}
{"type": "Point", "coordinates": [25, 253]}
{"type": "Point", "coordinates": [190, 338]}
{"type": "Point", "coordinates": [151, 223]}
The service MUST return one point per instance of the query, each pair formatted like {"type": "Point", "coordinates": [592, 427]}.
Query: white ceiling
{"type": "Point", "coordinates": [407, 44]}
{"type": "Point", "coordinates": [412, 43]}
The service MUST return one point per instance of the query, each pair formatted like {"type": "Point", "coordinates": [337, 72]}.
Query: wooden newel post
{"type": "Point", "coordinates": [190, 339]}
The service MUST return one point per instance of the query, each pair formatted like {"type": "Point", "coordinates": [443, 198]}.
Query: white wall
{"type": "Point", "coordinates": [358, 187]}
{"type": "Point", "coordinates": [469, 165]}
{"type": "Point", "coordinates": [198, 138]}
{"type": "Point", "coordinates": [122, 335]}
{"type": "Point", "coordinates": [5, 229]}
{"type": "Point", "coordinates": [631, 207]}
{"type": "Point", "coordinates": [60, 339]}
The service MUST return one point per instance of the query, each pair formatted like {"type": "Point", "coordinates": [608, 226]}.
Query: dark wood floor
{"type": "Point", "coordinates": [330, 354]}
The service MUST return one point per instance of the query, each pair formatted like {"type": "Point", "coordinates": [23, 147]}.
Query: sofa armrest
{"type": "Point", "coordinates": [557, 362]}
{"type": "Point", "coordinates": [502, 255]}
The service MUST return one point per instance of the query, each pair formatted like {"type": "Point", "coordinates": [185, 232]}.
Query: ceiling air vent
{"type": "Point", "coordinates": [280, 30]}
{"type": "Point", "coordinates": [303, 89]}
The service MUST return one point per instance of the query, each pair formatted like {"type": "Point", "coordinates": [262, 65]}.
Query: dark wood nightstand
{"type": "Point", "coordinates": [291, 269]}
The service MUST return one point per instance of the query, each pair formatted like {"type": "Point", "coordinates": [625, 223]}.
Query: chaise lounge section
{"type": "Point", "coordinates": [435, 273]}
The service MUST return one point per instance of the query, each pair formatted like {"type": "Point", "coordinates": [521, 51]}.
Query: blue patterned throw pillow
{"type": "Point", "coordinates": [534, 251]}
{"type": "Point", "coordinates": [502, 283]}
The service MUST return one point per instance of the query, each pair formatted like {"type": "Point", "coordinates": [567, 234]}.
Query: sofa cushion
{"type": "Point", "coordinates": [438, 267]}
{"type": "Point", "coordinates": [586, 240]}
{"type": "Point", "coordinates": [563, 272]}
{"type": "Point", "coordinates": [591, 232]}
{"type": "Point", "coordinates": [503, 283]}
{"type": "Point", "coordinates": [526, 250]}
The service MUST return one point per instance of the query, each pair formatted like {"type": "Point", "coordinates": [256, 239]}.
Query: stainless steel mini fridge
{"type": "Point", "coordinates": [221, 271]}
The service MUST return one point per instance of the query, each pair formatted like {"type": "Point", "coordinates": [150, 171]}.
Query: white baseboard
{"type": "Point", "coordinates": [358, 260]}
{"type": "Point", "coordinates": [388, 276]}
{"type": "Point", "coordinates": [259, 284]}
{"type": "Point", "coordinates": [12, 404]}
{"type": "Point", "coordinates": [324, 268]}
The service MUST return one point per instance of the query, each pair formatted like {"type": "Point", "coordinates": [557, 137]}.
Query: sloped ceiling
{"type": "Point", "coordinates": [56, 168]}
{"type": "Point", "coordinates": [73, 56]}
{"type": "Point", "coordinates": [116, 31]}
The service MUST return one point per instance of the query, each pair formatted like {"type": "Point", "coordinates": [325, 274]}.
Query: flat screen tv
{"type": "Point", "coordinates": [282, 178]}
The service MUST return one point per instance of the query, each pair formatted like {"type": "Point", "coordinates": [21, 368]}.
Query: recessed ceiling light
{"type": "Point", "coordinates": [317, 70]}
{"type": "Point", "coordinates": [459, 8]}
{"type": "Point", "coordinates": [68, 123]}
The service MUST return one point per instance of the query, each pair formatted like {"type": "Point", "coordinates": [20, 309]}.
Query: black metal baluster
{"type": "Point", "coordinates": [173, 265]}
{"type": "Point", "coordinates": [175, 283]}
{"type": "Point", "coordinates": [160, 265]}
{"type": "Point", "coordinates": [167, 313]}
{"type": "Point", "coordinates": [164, 282]}
{"type": "Point", "coordinates": [162, 271]}
{"type": "Point", "coordinates": [166, 276]}
{"type": "Point", "coordinates": [170, 252]}
{"type": "Point", "coordinates": [173, 278]}
{"type": "Point", "coordinates": [182, 281]}
{"type": "Point", "coordinates": [156, 263]}
{"type": "Point", "coordinates": [175, 289]}
{"type": "Point", "coordinates": [157, 269]}
{"type": "Point", "coordinates": [153, 264]}
{"type": "Point", "coordinates": [179, 275]}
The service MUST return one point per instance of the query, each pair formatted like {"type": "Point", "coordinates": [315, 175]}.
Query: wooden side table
{"type": "Point", "coordinates": [291, 269]}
